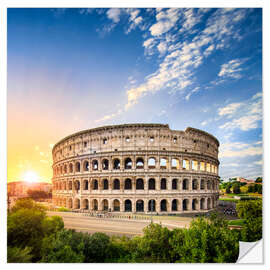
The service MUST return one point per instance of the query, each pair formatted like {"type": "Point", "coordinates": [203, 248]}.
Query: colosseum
{"type": "Point", "coordinates": [134, 168]}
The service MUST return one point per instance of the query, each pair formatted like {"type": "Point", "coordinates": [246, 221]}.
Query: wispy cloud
{"type": "Point", "coordinates": [232, 69]}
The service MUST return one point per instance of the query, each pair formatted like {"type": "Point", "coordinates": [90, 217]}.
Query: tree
{"type": "Point", "coordinates": [19, 255]}
{"type": "Point", "coordinates": [251, 188]}
{"type": "Point", "coordinates": [38, 194]}
{"type": "Point", "coordinates": [236, 188]}
{"type": "Point", "coordinates": [228, 189]}
{"type": "Point", "coordinates": [27, 203]}
{"type": "Point", "coordinates": [258, 180]}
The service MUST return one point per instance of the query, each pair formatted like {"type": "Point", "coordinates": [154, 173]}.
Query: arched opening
{"type": "Point", "coordinates": [128, 206]}
{"type": "Point", "coordinates": [185, 204]}
{"type": "Point", "coordinates": [105, 184]}
{"type": "Point", "coordinates": [95, 165]}
{"type": "Point", "coordinates": [174, 184]}
{"type": "Point", "coordinates": [194, 184]}
{"type": "Point", "coordinates": [208, 185]}
{"type": "Point", "coordinates": [175, 163]}
{"type": "Point", "coordinates": [77, 204]}
{"type": "Point", "coordinates": [185, 164]}
{"type": "Point", "coordinates": [139, 163]}
{"type": "Point", "coordinates": [70, 204]}
{"type": "Point", "coordinates": [95, 205]}
{"type": "Point", "coordinates": [163, 205]}
{"type": "Point", "coordinates": [163, 163]}
{"type": "Point", "coordinates": [128, 163]}
{"type": "Point", "coordinates": [95, 184]}
{"type": "Point", "coordinates": [116, 184]}
{"type": "Point", "coordinates": [202, 203]}
{"type": "Point", "coordinates": [116, 164]}
{"type": "Point", "coordinates": [116, 205]}
{"type": "Point", "coordinates": [128, 184]}
{"type": "Point", "coordinates": [194, 165]}
{"type": "Point", "coordinates": [85, 204]}
{"type": "Point", "coordinates": [151, 163]}
{"type": "Point", "coordinates": [70, 185]}
{"type": "Point", "coordinates": [105, 164]}
{"type": "Point", "coordinates": [194, 204]}
{"type": "Point", "coordinates": [174, 205]}
{"type": "Point", "coordinates": [77, 167]}
{"type": "Point", "coordinates": [105, 205]}
{"type": "Point", "coordinates": [86, 166]}
{"type": "Point", "coordinates": [77, 185]}
{"type": "Point", "coordinates": [140, 206]}
{"type": "Point", "coordinates": [185, 184]}
{"type": "Point", "coordinates": [151, 184]}
{"type": "Point", "coordinates": [71, 168]}
{"type": "Point", "coordinates": [163, 183]}
{"type": "Point", "coordinates": [139, 183]}
{"type": "Point", "coordinates": [208, 203]}
{"type": "Point", "coordinates": [202, 184]}
{"type": "Point", "coordinates": [65, 168]}
{"type": "Point", "coordinates": [151, 205]}
{"type": "Point", "coordinates": [85, 185]}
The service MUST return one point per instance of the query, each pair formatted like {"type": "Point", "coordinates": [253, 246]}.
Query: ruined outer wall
{"type": "Point", "coordinates": [189, 158]}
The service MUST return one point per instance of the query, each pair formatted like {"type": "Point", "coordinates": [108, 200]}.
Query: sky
{"type": "Point", "coordinates": [75, 69]}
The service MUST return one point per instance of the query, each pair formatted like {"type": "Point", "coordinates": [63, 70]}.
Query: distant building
{"type": "Point", "coordinates": [243, 180]}
{"type": "Point", "coordinates": [20, 188]}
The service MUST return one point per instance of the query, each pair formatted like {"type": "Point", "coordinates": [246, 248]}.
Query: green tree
{"type": "Point", "coordinates": [258, 180]}
{"type": "Point", "coordinates": [38, 194]}
{"type": "Point", "coordinates": [250, 188]}
{"type": "Point", "coordinates": [228, 189]}
{"type": "Point", "coordinates": [19, 255]}
{"type": "Point", "coordinates": [27, 203]}
{"type": "Point", "coordinates": [236, 188]}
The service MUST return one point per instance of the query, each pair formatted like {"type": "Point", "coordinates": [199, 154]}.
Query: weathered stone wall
{"type": "Point", "coordinates": [127, 157]}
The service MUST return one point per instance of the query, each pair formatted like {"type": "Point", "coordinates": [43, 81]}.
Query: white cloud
{"type": "Point", "coordinates": [148, 43]}
{"type": "Point", "coordinates": [232, 69]}
{"type": "Point", "coordinates": [260, 162]}
{"type": "Point", "coordinates": [229, 109]}
{"type": "Point", "coordinates": [162, 47]}
{"type": "Point", "coordinates": [114, 14]}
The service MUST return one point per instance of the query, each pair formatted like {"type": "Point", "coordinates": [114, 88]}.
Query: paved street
{"type": "Point", "coordinates": [115, 226]}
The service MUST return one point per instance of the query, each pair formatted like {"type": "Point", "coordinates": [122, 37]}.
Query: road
{"type": "Point", "coordinates": [110, 226]}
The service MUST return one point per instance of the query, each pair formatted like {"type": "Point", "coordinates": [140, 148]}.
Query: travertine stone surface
{"type": "Point", "coordinates": [137, 168]}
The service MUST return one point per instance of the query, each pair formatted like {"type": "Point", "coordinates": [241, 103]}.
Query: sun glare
{"type": "Point", "coordinates": [30, 177]}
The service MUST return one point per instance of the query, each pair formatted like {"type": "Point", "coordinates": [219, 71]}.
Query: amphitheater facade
{"type": "Point", "coordinates": [137, 168]}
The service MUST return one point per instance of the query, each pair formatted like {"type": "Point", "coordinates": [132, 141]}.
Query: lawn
{"type": "Point", "coordinates": [237, 222]}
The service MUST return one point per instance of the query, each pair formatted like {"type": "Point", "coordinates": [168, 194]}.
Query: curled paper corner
{"type": "Point", "coordinates": [250, 252]}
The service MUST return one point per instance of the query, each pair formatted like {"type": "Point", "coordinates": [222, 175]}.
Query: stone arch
{"type": "Point", "coordinates": [105, 164]}
{"type": "Point", "coordinates": [163, 183]}
{"type": "Point", "coordinates": [77, 185]}
{"type": "Point", "coordinates": [95, 184]}
{"type": "Point", "coordinates": [185, 184]}
{"type": "Point", "coordinates": [85, 204]}
{"type": "Point", "coordinates": [194, 184]}
{"type": "Point", "coordinates": [95, 165]}
{"type": "Point", "coordinates": [185, 205]}
{"type": "Point", "coordinates": [65, 168]}
{"type": "Point", "coordinates": [195, 204]}
{"type": "Point", "coordinates": [139, 163]}
{"type": "Point", "coordinates": [128, 184]}
{"type": "Point", "coordinates": [105, 205]}
{"type": "Point", "coordinates": [208, 185]}
{"type": "Point", "coordinates": [128, 163]}
{"type": "Point", "coordinates": [70, 203]}
{"type": "Point", "coordinates": [208, 203]}
{"type": "Point", "coordinates": [202, 184]}
{"type": "Point", "coordinates": [163, 163]}
{"type": "Point", "coordinates": [85, 185]}
{"type": "Point", "coordinates": [202, 203]}
{"type": "Point", "coordinates": [70, 168]}
{"type": "Point", "coordinates": [77, 203]}
{"type": "Point", "coordinates": [151, 163]}
{"type": "Point", "coordinates": [152, 184]}
{"type": "Point", "coordinates": [105, 184]}
{"type": "Point", "coordinates": [139, 183]}
{"type": "Point", "coordinates": [163, 205]}
{"type": "Point", "coordinates": [139, 206]}
{"type": "Point", "coordinates": [116, 205]}
{"type": "Point", "coordinates": [70, 185]}
{"type": "Point", "coordinates": [116, 164]}
{"type": "Point", "coordinates": [86, 166]}
{"type": "Point", "coordinates": [175, 164]}
{"type": "Point", "coordinates": [77, 166]}
{"type": "Point", "coordinates": [128, 206]}
{"type": "Point", "coordinates": [152, 205]}
{"type": "Point", "coordinates": [174, 205]}
{"type": "Point", "coordinates": [116, 184]}
{"type": "Point", "coordinates": [95, 204]}
{"type": "Point", "coordinates": [175, 184]}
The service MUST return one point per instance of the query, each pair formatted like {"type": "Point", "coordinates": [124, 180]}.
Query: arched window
{"type": "Point", "coordinates": [128, 163]}
{"type": "Point", "coordinates": [194, 165]}
{"type": "Point", "coordinates": [86, 165]}
{"type": "Point", "coordinates": [175, 163]}
{"type": "Point", "coordinates": [71, 168]}
{"type": "Point", "coordinates": [105, 164]}
{"type": "Point", "coordinates": [163, 163]}
{"type": "Point", "coordinates": [65, 168]}
{"type": "Point", "coordinates": [77, 166]}
{"type": "Point", "coordinates": [116, 205]}
{"type": "Point", "coordinates": [140, 206]}
{"type": "Point", "coordinates": [139, 163]}
{"type": "Point", "coordinates": [70, 185]}
{"type": "Point", "coordinates": [77, 185]}
{"type": "Point", "coordinates": [95, 184]}
{"type": "Point", "coordinates": [194, 204]}
{"type": "Point", "coordinates": [139, 183]}
{"type": "Point", "coordinates": [202, 184]}
{"type": "Point", "coordinates": [85, 185]}
{"type": "Point", "coordinates": [151, 205]}
{"type": "Point", "coordinates": [174, 205]}
{"type": "Point", "coordinates": [95, 205]}
{"type": "Point", "coordinates": [163, 183]}
{"type": "Point", "coordinates": [194, 184]}
{"type": "Point", "coordinates": [185, 164]}
{"type": "Point", "coordinates": [95, 165]}
{"type": "Point", "coordinates": [151, 163]}
{"type": "Point", "coordinates": [151, 184]}
{"type": "Point", "coordinates": [116, 184]}
{"type": "Point", "coordinates": [185, 204]}
{"type": "Point", "coordinates": [77, 204]}
{"type": "Point", "coordinates": [105, 184]}
{"type": "Point", "coordinates": [185, 184]}
{"type": "Point", "coordinates": [85, 204]}
{"type": "Point", "coordinates": [202, 203]}
{"type": "Point", "coordinates": [105, 205]}
{"type": "Point", "coordinates": [163, 205]}
{"type": "Point", "coordinates": [174, 183]}
{"type": "Point", "coordinates": [208, 203]}
{"type": "Point", "coordinates": [208, 185]}
{"type": "Point", "coordinates": [70, 204]}
{"type": "Point", "coordinates": [128, 206]}
{"type": "Point", "coordinates": [128, 184]}
{"type": "Point", "coordinates": [116, 164]}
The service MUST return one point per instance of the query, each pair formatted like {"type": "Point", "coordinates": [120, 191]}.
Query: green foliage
{"type": "Point", "coordinates": [249, 209]}
{"type": "Point", "coordinates": [258, 180]}
{"type": "Point", "coordinates": [63, 209]}
{"type": "Point", "coordinates": [228, 189]}
{"type": "Point", "coordinates": [27, 203]}
{"type": "Point", "coordinates": [19, 255]}
{"type": "Point", "coordinates": [236, 188]}
{"type": "Point", "coordinates": [38, 194]}
{"type": "Point", "coordinates": [51, 225]}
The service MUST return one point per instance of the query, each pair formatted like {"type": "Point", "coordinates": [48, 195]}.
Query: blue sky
{"type": "Point", "coordinates": [74, 69]}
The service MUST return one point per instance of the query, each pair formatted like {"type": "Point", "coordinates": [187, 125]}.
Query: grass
{"type": "Point", "coordinates": [237, 222]}
{"type": "Point", "coordinates": [228, 199]}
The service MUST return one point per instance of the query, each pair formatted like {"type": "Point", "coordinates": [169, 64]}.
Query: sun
{"type": "Point", "coordinates": [30, 177]}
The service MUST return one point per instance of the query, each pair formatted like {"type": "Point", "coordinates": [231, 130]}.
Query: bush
{"type": "Point", "coordinates": [19, 255]}
{"type": "Point", "coordinates": [236, 188]}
